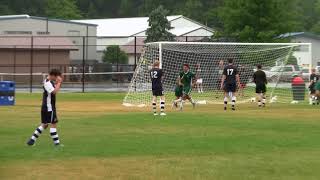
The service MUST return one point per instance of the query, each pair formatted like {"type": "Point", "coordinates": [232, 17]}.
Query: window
{"type": "Point", "coordinates": [18, 32]}
{"type": "Point", "coordinates": [288, 69]}
{"type": "Point", "coordinates": [43, 33]}
{"type": "Point", "coordinates": [73, 33]}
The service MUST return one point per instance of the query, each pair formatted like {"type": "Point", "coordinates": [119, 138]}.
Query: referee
{"type": "Point", "coordinates": [260, 79]}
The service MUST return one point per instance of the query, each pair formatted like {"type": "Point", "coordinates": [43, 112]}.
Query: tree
{"type": "Point", "coordinates": [257, 20]}
{"type": "Point", "coordinates": [113, 54]}
{"type": "Point", "coordinates": [159, 26]}
{"type": "Point", "coordinates": [127, 8]}
{"type": "Point", "coordinates": [64, 9]}
{"type": "Point", "coordinates": [92, 10]}
{"type": "Point", "coordinates": [194, 9]}
{"type": "Point", "coordinates": [316, 27]}
{"type": "Point", "coordinates": [5, 10]}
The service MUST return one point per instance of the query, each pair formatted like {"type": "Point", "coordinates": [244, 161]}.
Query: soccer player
{"type": "Point", "coordinates": [230, 80]}
{"type": "Point", "coordinates": [187, 79]}
{"type": "Point", "coordinates": [260, 79]}
{"type": "Point", "coordinates": [199, 81]}
{"type": "Point", "coordinates": [156, 75]}
{"type": "Point", "coordinates": [51, 87]}
{"type": "Point", "coordinates": [178, 91]}
{"type": "Point", "coordinates": [313, 80]}
{"type": "Point", "coordinates": [317, 88]}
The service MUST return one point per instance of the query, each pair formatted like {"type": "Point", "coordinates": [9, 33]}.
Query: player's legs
{"type": "Point", "coordinates": [154, 105]}
{"type": "Point", "coordinates": [186, 96]}
{"type": "Point", "coordinates": [313, 97]}
{"type": "Point", "coordinates": [317, 97]}
{"type": "Point", "coordinates": [37, 134]}
{"type": "Point", "coordinates": [264, 99]}
{"type": "Point", "coordinates": [162, 105]}
{"type": "Point", "coordinates": [189, 97]}
{"type": "Point", "coordinates": [225, 100]}
{"type": "Point", "coordinates": [201, 87]}
{"type": "Point", "coordinates": [233, 100]}
{"type": "Point", "coordinates": [259, 98]}
{"type": "Point", "coordinates": [199, 84]}
{"type": "Point", "coordinates": [54, 134]}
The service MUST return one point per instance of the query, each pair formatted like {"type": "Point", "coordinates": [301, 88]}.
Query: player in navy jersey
{"type": "Point", "coordinates": [51, 86]}
{"type": "Point", "coordinates": [229, 83]}
{"type": "Point", "coordinates": [313, 80]}
{"type": "Point", "coordinates": [156, 75]}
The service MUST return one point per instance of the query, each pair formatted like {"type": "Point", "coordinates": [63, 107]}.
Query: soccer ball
{"type": "Point", "coordinates": [274, 99]}
{"type": "Point", "coordinates": [253, 100]}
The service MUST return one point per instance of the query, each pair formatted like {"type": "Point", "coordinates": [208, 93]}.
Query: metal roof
{"type": "Point", "coordinates": [124, 27]}
{"type": "Point", "coordinates": [26, 16]}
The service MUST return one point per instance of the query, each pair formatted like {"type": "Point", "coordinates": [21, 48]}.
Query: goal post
{"type": "Point", "coordinates": [280, 61]}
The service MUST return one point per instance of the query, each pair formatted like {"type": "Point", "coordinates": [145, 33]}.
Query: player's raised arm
{"type": "Point", "coordinates": [58, 85]}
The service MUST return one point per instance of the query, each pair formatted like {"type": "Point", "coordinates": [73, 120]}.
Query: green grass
{"type": "Point", "coordinates": [104, 140]}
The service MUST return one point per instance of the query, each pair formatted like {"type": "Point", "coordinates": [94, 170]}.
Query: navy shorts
{"type": "Point", "coordinates": [230, 87]}
{"type": "Point", "coordinates": [49, 117]}
{"type": "Point", "coordinates": [157, 92]}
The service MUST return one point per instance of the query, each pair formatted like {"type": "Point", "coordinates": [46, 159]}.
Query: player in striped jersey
{"type": "Point", "coordinates": [51, 87]}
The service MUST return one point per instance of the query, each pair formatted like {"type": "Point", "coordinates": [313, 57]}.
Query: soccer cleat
{"type": "Point", "coordinates": [233, 109]}
{"type": "Point", "coordinates": [225, 108]}
{"type": "Point", "coordinates": [59, 145]}
{"type": "Point", "coordinates": [155, 114]}
{"type": "Point", "coordinates": [163, 114]}
{"type": "Point", "coordinates": [30, 142]}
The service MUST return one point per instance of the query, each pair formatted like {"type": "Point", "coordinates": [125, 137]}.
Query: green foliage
{"type": "Point", "coordinates": [292, 60]}
{"type": "Point", "coordinates": [104, 139]}
{"type": "Point", "coordinates": [193, 9]}
{"type": "Point", "coordinates": [64, 9]}
{"type": "Point", "coordinates": [113, 54]}
{"type": "Point", "coordinates": [244, 20]}
{"type": "Point", "coordinates": [257, 20]}
{"type": "Point", "coordinates": [159, 26]}
{"type": "Point", "coordinates": [4, 9]}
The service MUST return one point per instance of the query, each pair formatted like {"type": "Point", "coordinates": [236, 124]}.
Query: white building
{"type": "Point", "coordinates": [77, 32]}
{"type": "Point", "coordinates": [123, 31]}
{"type": "Point", "coordinates": [303, 56]}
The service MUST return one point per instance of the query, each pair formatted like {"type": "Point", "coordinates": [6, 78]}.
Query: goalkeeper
{"type": "Point", "coordinates": [187, 79]}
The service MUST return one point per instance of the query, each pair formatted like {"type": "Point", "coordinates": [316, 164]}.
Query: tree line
{"type": "Point", "coordinates": [242, 20]}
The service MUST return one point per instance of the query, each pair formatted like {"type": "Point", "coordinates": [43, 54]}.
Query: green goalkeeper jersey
{"type": "Point", "coordinates": [186, 78]}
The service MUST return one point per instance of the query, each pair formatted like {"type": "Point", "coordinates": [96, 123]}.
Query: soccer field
{"type": "Point", "coordinates": [104, 140]}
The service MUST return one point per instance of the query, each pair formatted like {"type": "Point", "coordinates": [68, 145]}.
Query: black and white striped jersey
{"type": "Point", "coordinates": [48, 99]}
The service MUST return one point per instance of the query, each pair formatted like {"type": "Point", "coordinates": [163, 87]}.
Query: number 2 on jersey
{"type": "Point", "coordinates": [154, 74]}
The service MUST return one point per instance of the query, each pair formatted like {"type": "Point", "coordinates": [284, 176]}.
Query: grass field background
{"type": "Point", "coordinates": [104, 140]}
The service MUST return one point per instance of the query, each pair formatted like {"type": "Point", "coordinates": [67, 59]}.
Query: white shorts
{"type": "Point", "coordinates": [199, 81]}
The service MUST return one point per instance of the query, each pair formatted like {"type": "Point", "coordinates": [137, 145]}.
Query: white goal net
{"type": "Point", "coordinates": [280, 61]}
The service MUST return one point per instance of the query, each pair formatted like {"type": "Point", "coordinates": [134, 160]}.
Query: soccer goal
{"type": "Point", "coordinates": [280, 61]}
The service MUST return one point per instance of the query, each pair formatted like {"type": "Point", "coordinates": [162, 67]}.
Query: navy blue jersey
{"type": "Point", "coordinates": [48, 98]}
{"type": "Point", "coordinates": [156, 78]}
{"type": "Point", "coordinates": [230, 71]}
{"type": "Point", "coordinates": [314, 78]}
